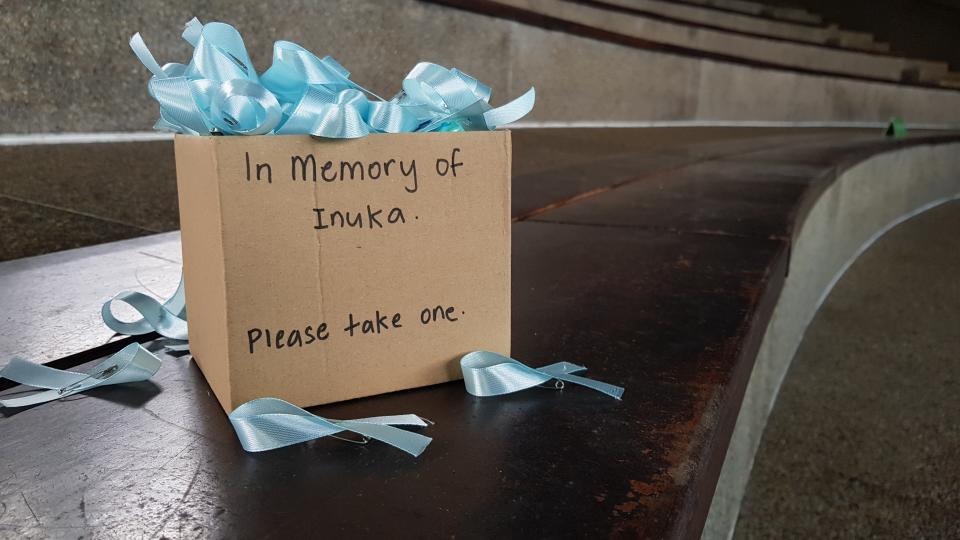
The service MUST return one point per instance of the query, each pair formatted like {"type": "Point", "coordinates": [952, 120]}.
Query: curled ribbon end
{"type": "Point", "coordinates": [511, 112]}
{"type": "Point", "coordinates": [146, 57]}
{"type": "Point", "coordinates": [415, 452]}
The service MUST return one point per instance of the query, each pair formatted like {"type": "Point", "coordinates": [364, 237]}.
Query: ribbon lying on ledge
{"type": "Point", "coordinates": [269, 423]}
{"type": "Point", "coordinates": [131, 364]}
{"type": "Point", "coordinates": [490, 374]}
{"type": "Point", "coordinates": [219, 91]}
{"type": "Point", "coordinates": [169, 319]}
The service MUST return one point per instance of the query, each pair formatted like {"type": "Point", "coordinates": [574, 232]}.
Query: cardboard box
{"type": "Point", "coordinates": [322, 270]}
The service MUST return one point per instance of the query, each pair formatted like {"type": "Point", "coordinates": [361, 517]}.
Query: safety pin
{"type": "Point", "coordinates": [105, 374]}
{"type": "Point", "coordinates": [363, 439]}
{"type": "Point", "coordinates": [557, 385]}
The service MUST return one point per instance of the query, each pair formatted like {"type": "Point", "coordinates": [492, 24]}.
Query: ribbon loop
{"type": "Point", "coordinates": [490, 374]}
{"type": "Point", "coordinates": [270, 423]}
{"type": "Point", "coordinates": [294, 65]}
{"type": "Point", "coordinates": [178, 99]}
{"type": "Point", "coordinates": [439, 88]}
{"type": "Point", "coordinates": [220, 55]}
{"type": "Point", "coordinates": [131, 364]}
{"type": "Point", "coordinates": [168, 319]}
{"type": "Point", "coordinates": [242, 107]}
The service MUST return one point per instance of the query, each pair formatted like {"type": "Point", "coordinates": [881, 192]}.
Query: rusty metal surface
{"type": "Point", "coordinates": [669, 300]}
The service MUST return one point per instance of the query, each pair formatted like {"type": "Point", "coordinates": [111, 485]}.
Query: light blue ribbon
{"type": "Point", "coordinates": [219, 91]}
{"type": "Point", "coordinates": [490, 374]}
{"type": "Point", "coordinates": [169, 319]}
{"type": "Point", "coordinates": [269, 423]}
{"type": "Point", "coordinates": [131, 364]}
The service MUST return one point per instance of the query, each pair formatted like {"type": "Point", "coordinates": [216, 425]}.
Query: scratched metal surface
{"type": "Point", "coordinates": [669, 302]}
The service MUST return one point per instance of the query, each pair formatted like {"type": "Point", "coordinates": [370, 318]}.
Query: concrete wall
{"type": "Point", "coordinates": [67, 67]}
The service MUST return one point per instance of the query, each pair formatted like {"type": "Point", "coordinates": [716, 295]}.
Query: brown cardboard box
{"type": "Point", "coordinates": [287, 239]}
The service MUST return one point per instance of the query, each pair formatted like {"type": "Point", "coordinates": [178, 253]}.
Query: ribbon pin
{"type": "Point", "coordinates": [490, 374]}
{"type": "Point", "coordinates": [168, 319]}
{"type": "Point", "coordinates": [269, 423]}
{"type": "Point", "coordinates": [133, 363]}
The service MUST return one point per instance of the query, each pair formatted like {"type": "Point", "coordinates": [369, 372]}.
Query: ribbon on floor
{"type": "Point", "coordinates": [219, 91]}
{"type": "Point", "coordinates": [269, 423]}
{"type": "Point", "coordinates": [169, 319]}
{"type": "Point", "coordinates": [490, 374]}
{"type": "Point", "coordinates": [131, 364]}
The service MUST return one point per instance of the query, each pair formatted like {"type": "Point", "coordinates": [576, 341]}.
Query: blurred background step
{"type": "Point", "coordinates": [738, 22]}
{"type": "Point", "coordinates": [914, 28]}
{"type": "Point", "coordinates": [950, 80]}
{"type": "Point", "coordinates": [710, 41]}
{"type": "Point", "coordinates": [759, 9]}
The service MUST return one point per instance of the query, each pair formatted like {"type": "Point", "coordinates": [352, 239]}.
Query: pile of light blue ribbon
{"type": "Point", "coordinates": [219, 91]}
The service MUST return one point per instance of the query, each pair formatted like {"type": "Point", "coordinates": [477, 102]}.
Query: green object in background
{"type": "Point", "coordinates": [897, 128]}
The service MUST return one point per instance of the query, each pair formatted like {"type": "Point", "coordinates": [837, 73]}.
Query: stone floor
{"type": "Point", "coordinates": [55, 197]}
{"type": "Point", "coordinates": [864, 439]}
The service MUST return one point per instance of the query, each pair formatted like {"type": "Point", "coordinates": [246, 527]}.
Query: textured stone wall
{"type": "Point", "coordinates": [67, 67]}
